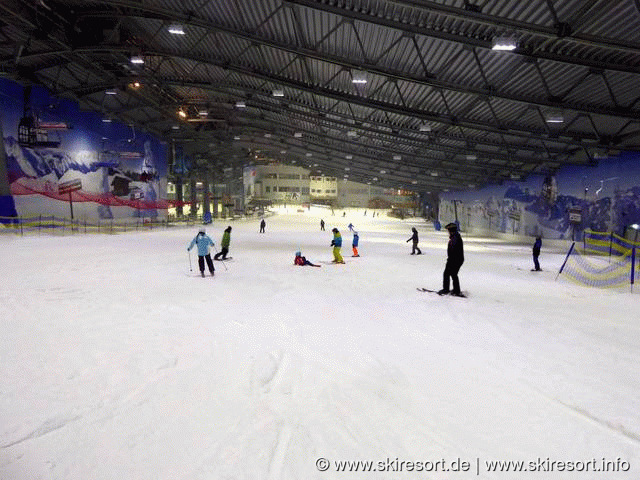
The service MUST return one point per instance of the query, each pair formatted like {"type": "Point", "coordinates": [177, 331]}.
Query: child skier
{"type": "Point", "coordinates": [226, 241]}
{"type": "Point", "coordinates": [336, 243]}
{"type": "Point", "coordinates": [414, 239]}
{"type": "Point", "coordinates": [354, 244]}
{"type": "Point", "coordinates": [203, 242]}
{"type": "Point", "coordinates": [302, 261]}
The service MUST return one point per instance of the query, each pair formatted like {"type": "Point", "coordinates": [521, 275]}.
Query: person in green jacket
{"type": "Point", "coordinates": [224, 245]}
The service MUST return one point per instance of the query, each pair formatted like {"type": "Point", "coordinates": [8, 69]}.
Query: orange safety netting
{"type": "Point", "coordinates": [26, 186]}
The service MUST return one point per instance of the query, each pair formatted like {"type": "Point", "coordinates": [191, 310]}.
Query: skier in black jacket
{"type": "Point", "coordinates": [536, 253]}
{"type": "Point", "coordinates": [414, 239]}
{"type": "Point", "coordinates": [455, 259]}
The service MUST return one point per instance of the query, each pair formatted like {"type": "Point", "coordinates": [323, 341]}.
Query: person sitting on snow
{"type": "Point", "coordinates": [302, 261]}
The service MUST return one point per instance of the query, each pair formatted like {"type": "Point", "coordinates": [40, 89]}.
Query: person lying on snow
{"type": "Point", "coordinates": [302, 261]}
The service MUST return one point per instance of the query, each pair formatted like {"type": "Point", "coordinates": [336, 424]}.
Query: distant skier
{"type": "Point", "coordinates": [414, 239]}
{"type": "Point", "coordinates": [224, 245]}
{"type": "Point", "coordinates": [322, 225]}
{"type": "Point", "coordinates": [302, 261]}
{"type": "Point", "coordinates": [336, 243]}
{"type": "Point", "coordinates": [350, 227]}
{"type": "Point", "coordinates": [354, 244]}
{"type": "Point", "coordinates": [203, 242]}
{"type": "Point", "coordinates": [262, 225]}
{"type": "Point", "coordinates": [536, 253]}
{"type": "Point", "coordinates": [455, 259]}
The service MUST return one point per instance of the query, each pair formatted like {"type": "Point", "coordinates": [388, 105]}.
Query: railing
{"type": "Point", "coordinates": [51, 224]}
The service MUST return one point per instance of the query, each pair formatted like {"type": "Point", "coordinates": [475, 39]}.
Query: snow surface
{"type": "Point", "coordinates": [117, 362]}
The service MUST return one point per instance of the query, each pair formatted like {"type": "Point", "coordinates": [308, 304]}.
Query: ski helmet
{"type": "Point", "coordinates": [202, 230]}
{"type": "Point", "coordinates": [298, 253]}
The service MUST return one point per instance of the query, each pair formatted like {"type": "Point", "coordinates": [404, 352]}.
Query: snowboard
{"type": "Point", "coordinates": [421, 289]}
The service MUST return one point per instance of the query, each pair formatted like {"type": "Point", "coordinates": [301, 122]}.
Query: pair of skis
{"type": "Point", "coordinates": [428, 290]}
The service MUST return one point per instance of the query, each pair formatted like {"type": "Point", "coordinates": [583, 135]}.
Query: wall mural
{"type": "Point", "coordinates": [57, 155]}
{"type": "Point", "coordinates": [602, 198]}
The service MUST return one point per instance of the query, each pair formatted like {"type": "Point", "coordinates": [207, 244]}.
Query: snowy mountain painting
{"type": "Point", "coordinates": [42, 162]}
{"type": "Point", "coordinates": [605, 198]}
{"type": "Point", "coordinates": [49, 141]}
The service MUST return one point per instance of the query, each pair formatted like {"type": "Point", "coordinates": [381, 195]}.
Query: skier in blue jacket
{"type": "Point", "coordinates": [203, 242]}
{"type": "Point", "coordinates": [354, 244]}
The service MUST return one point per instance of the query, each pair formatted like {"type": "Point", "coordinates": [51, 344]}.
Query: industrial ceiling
{"type": "Point", "coordinates": [399, 93]}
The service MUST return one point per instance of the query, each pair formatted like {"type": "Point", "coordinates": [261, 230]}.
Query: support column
{"type": "Point", "coordinates": [193, 198]}
{"type": "Point", "coordinates": [206, 195]}
{"type": "Point", "coordinates": [179, 197]}
{"type": "Point", "coordinates": [215, 196]}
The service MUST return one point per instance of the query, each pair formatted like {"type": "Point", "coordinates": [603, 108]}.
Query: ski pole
{"type": "Point", "coordinates": [190, 268]}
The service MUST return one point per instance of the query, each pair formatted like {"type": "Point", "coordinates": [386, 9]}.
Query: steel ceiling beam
{"type": "Point", "coordinates": [347, 63]}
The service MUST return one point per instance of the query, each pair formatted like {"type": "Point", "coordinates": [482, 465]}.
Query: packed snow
{"type": "Point", "coordinates": [118, 361]}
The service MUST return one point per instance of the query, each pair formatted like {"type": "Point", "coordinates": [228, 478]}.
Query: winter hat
{"type": "Point", "coordinates": [334, 230]}
{"type": "Point", "coordinates": [451, 226]}
{"type": "Point", "coordinates": [298, 253]}
{"type": "Point", "coordinates": [202, 230]}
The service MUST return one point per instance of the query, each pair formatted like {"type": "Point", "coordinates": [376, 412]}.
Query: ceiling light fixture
{"type": "Point", "coordinates": [352, 133]}
{"type": "Point", "coordinates": [241, 104]}
{"type": "Point", "coordinates": [425, 128]}
{"type": "Point", "coordinates": [349, 157]}
{"type": "Point", "coordinates": [554, 117]}
{"type": "Point", "coordinates": [358, 78]}
{"type": "Point", "coordinates": [297, 134]}
{"type": "Point", "coordinates": [137, 60]}
{"type": "Point", "coordinates": [504, 43]}
{"type": "Point", "coordinates": [397, 157]}
{"type": "Point", "coordinates": [182, 113]}
{"type": "Point", "coordinates": [111, 91]}
{"type": "Point", "coordinates": [176, 29]}
{"type": "Point", "coordinates": [278, 93]}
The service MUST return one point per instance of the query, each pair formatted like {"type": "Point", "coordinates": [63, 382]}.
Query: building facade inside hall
{"type": "Point", "coordinates": [286, 184]}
